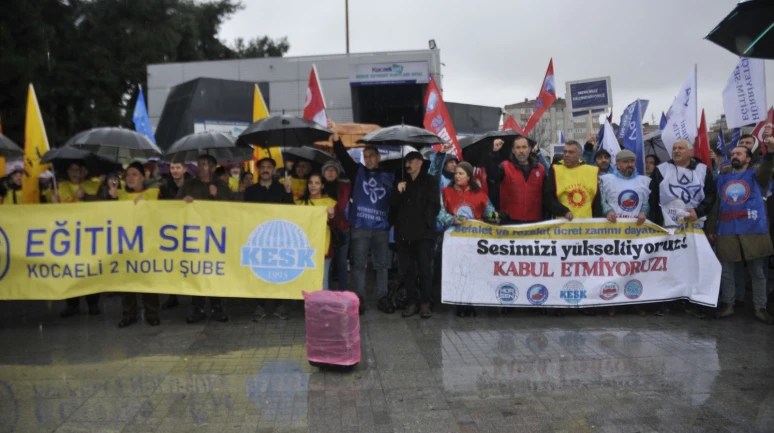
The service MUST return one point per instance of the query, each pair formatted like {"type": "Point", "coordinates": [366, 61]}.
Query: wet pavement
{"type": "Point", "coordinates": [522, 372]}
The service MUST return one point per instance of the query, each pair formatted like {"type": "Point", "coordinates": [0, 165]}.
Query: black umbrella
{"type": "Point", "coordinates": [308, 153]}
{"type": "Point", "coordinates": [221, 146]}
{"type": "Point", "coordinates": [653, 145]}
{"type": "Point", "coordinates": [476, 149]}
{"type": "Point", "coordinates": [748, 31]}
{"type": "Point", "coordinates": [8, 148]}
{"type": "Point", "coordinates": [401, 134]}
{"type": "Point", "coordinates": [95, 164]}
{"type": "Point", "coordinates": [119, 143]}
{"type": "Point", "coordinates": [284, 131]}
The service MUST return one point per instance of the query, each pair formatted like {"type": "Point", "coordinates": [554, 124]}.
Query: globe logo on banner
{"type": "Point", "coordinates": [573, 292]}
{"type": "Point", "coordinates": [5, 253]}
{"type": "Point", "coordinates": [374, 190]}
{"type": "Point", "coordinates": [278, 252]}
{"type": "Point", "coordinates": [432, 102]}
{"type": "Point", "coordinates": [507, 293]}
{"type": "Point", "coordinates": [537, 294]}
{"type": "Point", "coordinates": [633, 289]}
{"type": "Point", "coordinates": [628, 200]}
{"type": "Point", "coordinates": [736, 192]}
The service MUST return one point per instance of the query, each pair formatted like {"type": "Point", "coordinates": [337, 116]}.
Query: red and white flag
{"type": "Point", "coordinates": [314, 104]}
{"type": "Point", "coordinates": [702, 149]}
{"type": "Point", "coordinates": [545, 99]}
{"type": "Point", "coordinates": [437, 119]}
{"type": "Point", "coordinates": [758, 131]}
{"type": "Point", "coordinates": [513, 125]}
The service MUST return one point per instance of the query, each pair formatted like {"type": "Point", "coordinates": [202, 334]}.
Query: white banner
{"type": "Point", "coordinates": [225, 126]}
{"type": "Point", "coordinates": [744, 98]}
{"type": "Point", "coordinates": [682, 123]}
{"type": "Point", "coordinates": [584, 263]}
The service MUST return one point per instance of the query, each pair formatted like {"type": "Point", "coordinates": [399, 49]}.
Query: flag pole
{"type": "Point", "coordinates": [590, 126]}
{"type": "Point", "coordinates": [346, 21]}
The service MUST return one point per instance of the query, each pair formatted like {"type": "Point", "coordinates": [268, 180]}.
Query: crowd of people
{"type": "Point", "coordinates": [379, 214]}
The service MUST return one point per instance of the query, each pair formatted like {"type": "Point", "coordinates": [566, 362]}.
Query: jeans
{"type": "Point", "coordinates": [740, 282]}
{"type": "Point", "coordinates": [415, 258]}
{"type": "Point", "coordinates": [758, 273]}
{"type": "Point", "coordinates": [326, 273]}
{"type": "Point", "coordinates": [378, 242]}
{"type": "Point", "coordinates": [341, 257]}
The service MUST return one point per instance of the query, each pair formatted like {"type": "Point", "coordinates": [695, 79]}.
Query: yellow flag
{"type": "Point", "coordinates": [261, 111]}
{"type": "Point", "coordinates": [2, 160]}
{"type": "Point", "coordinates": [35, 146]}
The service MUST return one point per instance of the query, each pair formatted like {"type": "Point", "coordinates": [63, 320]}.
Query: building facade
{"type": "Point", "coordinates": [557, 118]}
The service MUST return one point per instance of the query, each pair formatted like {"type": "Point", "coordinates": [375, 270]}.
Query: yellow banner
{"type": "Point", "coordinates": [201, 248]}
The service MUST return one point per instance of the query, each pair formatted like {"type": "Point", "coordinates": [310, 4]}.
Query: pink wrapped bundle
{"type": "Point", "coordinates": [332, 328]}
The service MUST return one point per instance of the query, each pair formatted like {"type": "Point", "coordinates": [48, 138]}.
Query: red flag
{"type": "Point", "coordinates": [546, 97]}
{"type": "Point", "coordinates": [513, 125]}
{"type": "Point", "coordinates": [702, 149]}
{"type": "Point", "coordinates": [758, 131]}
{"type": "Point", "coordinates": [437, 118]}
{"type": "Point", "coordinates": [314, 104]}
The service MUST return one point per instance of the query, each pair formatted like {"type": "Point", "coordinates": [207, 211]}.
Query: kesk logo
{"type": "Point", "coordinates": [507, 293]}
{"type": "Point", "coordinates": [278, 252]}
{"type": "Point", "coordinates": [633, 289]}
{"type": "Point", "coordinates": [736, 192]}
{"type": "Point", "coordinates": [628, 200]}
{"type": "Point", "coordinates": [609, 291]}
{"type": "Point", "coordinates": [573, 292]}
{"type": "Point", "coordinates": [374, 190]}
{"type": "Point", "coordinates": [537, 294]}
{"type": "Point", "coordinates": [432, 101]}
{"type": "Point", "coordinates": [5, 253]}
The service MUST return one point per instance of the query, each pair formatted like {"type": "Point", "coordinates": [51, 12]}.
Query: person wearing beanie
{"type": "Point", "coordinates": [463, 200]}
{"type": "Point", "coordinates": [414, 207]}
{"type": "Point", "coordinates": [521, 179]}
{"type": "Point", "coordinates": [603, 160]}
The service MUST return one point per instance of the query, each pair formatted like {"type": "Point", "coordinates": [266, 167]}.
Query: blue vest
{"type": "Point", "coordinates": [742, 210]}
{"type": "Point", "coordinates": [371, 199]}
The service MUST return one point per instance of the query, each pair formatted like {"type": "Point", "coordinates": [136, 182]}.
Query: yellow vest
{"type": "Point", "coordinates": [576, 188]}
{"type": "Point", "coordinates": [8, 199]}
{"type": "Point", "coordinates": [233, 184]}
{"type": "Point", "coordinates": [297, 187]}
{"type": "Point", "coordinates": [67, 190]}
{"type": "Point", "coordinates": [327, 202]}
{"type": "Point", "coordinates": [148, 194]}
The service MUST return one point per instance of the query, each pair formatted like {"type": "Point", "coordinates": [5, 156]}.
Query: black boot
{"type": "Point", "coordinates": [69, 312]}
{"type": "Point", "coordinates": [197, 315]}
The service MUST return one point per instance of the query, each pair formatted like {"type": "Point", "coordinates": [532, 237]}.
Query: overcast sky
{"type": "Point", "coordinates": [496, 51]}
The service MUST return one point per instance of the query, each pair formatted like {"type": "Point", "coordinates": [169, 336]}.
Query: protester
{"type": "Point", "coordinates": [651, 162]}
{"type": "Point", "coordinates": [268, 191]}
{"type": "Point", "coordinates": [751, 143]}
{"type": "Point", "coordinates": [205, 187]}
{"type": "Point", "coordinates": [463, 200]}
{"type": "Point", "coordinates": [169, 189]}
{"type": "Point", "coordinates": [77, 187]}
{"type": "Point", "coordinates": [590, 150]}
{"type": "Point", "coordinates": [14, 193]}
{"type": "Point", "coordinates": [235, 176]}
{"type": "Point", "coordinates": [624, 194]}
{"type": "Point", "coordinates": [717, 162]}
{"type": "Point", "coordinates": [287, 170]}
{"type": "Point", "coordinates": [314, 196]}
{"type": "Point", "coordinates": [443, 167]}
{"type": "Point", "coordinates": [414, 207]}
{"type": "Point", "coordinates": [298, 179]}
{"type": "Point", "coordinates": [339, 190]}
{"type": "Point", "coordinates": [602, 160]}
{"type": "Point", "coordinates": [45, 183]}
{"type": "Point", "coordinates": [151, 172]}
{"type": "Point", "coordinates": [521, 178]}
{"type": "Point", "coordinates": [369, 211]}
{"type": "Point", "coordinates": [135, 191]}
{"type": "Point", "coordinates": [739, 224]}
{"type": "Point", "coordinates": [570, 189]}
{"type": "Point", "coordinates": [681, 188]}
{"type": "Point", "coordinates": [245, 181]}
{"type": "Point", "coordinates": [222, 175]}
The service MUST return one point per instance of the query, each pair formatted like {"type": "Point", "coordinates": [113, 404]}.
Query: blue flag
{"type": "Point", "coordinates": [141, 119]}
{"type": "Point", "coordinates": [626, 117]}
{"type": "Point", "coordinates": [632, 138]}
{"type": "Point", "coordinates": [722, 146]}
{"type": "Point", "coordinates": [663, 122]}
{"type": "Point", "coordinates": [734, 142]}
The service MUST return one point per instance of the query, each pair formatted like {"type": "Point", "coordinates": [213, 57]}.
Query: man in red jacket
{"type": "Point", "coordinates": [521, 182]}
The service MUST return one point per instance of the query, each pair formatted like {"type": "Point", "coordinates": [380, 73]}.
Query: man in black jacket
{"type": "Point", "coordinates": [269, 191]}
{"type": "Point", "coordinates": [178, 174]}
{"type": "Point", "coordinates": [414, 206]}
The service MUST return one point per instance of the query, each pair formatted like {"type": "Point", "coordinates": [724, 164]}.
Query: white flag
{"type": "Point", "coordinates": [744, 98]}
{"type": "Point", "coordinates": [609, 142]}
{"type": "Point", "coordinates": [682, 123]}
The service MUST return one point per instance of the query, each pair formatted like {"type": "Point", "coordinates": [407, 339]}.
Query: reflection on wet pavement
{"type": "Point", "coordinates": [522, 372]}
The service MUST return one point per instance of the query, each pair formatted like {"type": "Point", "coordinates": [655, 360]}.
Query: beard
{"type": "Point", "coordinates": [628, 172]}
{"type": "Point", "coordinates": [735, 163]}
{"type": "Point", "coordinates": [522, 159]}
